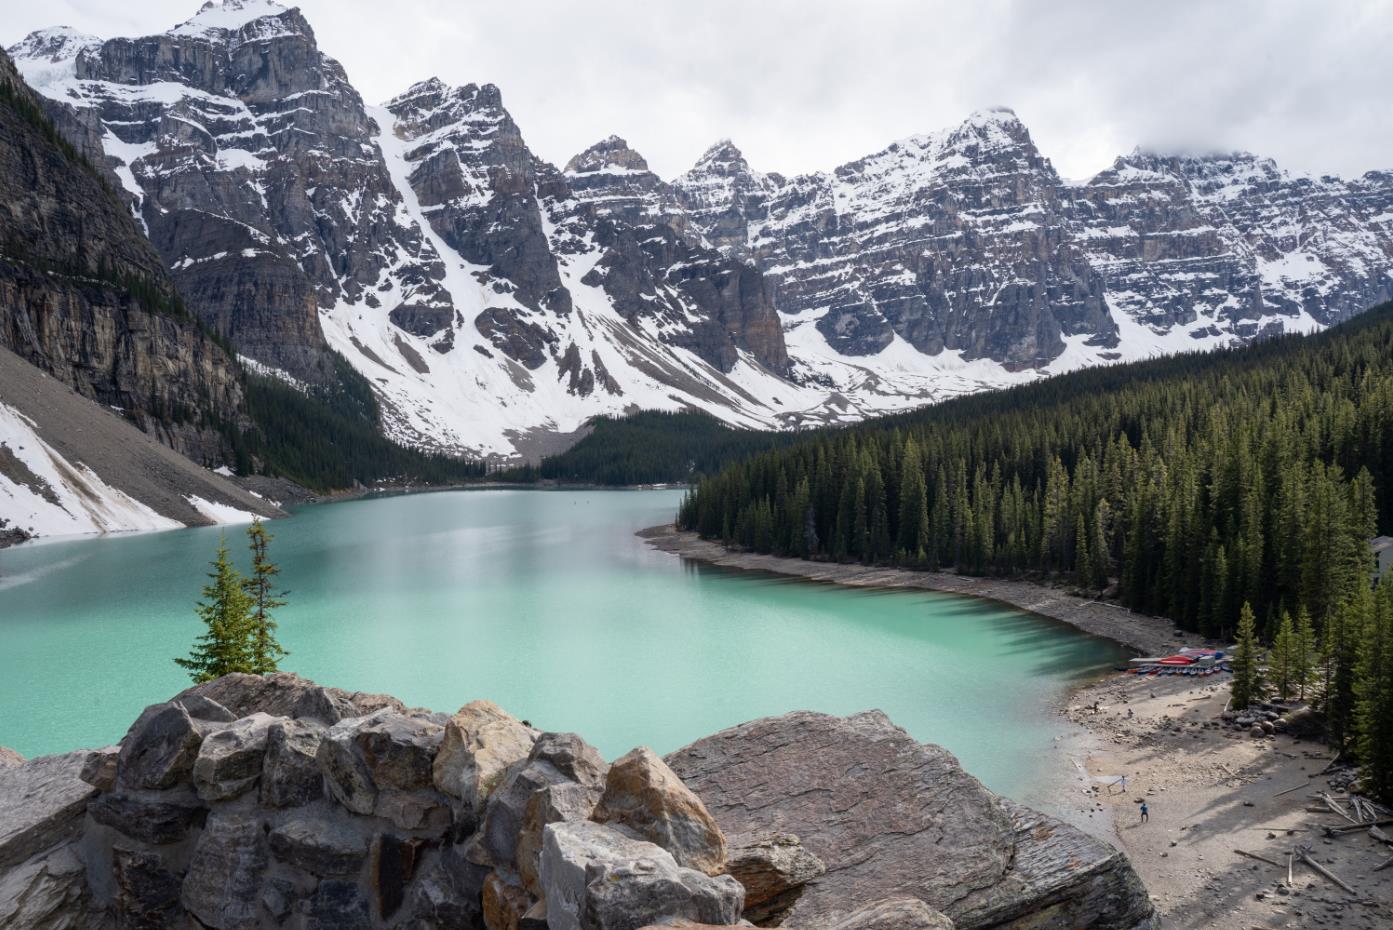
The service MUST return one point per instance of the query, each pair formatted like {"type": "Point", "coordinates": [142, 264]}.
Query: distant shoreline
{"type": "Point", "coordinates": [1140, 633]}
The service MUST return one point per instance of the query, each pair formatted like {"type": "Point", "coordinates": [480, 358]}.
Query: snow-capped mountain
{"type": "Point", "coordinates": [491, 309]}
{"type": "Point", "coordinates": [968, 241]}
{"type": "Point", "coordinates": [496, 302]}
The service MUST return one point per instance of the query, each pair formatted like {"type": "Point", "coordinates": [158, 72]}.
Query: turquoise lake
{"type": "Point", "coordinates": [546, 603]}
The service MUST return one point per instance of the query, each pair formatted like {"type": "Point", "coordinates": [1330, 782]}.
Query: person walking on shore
{"type": "Point", "coordinates": [1145, 814]}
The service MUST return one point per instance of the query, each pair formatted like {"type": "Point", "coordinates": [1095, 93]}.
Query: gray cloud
{"type": "Point", "coordinates": [808, 84]}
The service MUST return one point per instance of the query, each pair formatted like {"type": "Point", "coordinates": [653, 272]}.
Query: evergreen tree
{"type": "Point", "coordinates": [1283, 664]}
{"type": "Point", "coordinates": [1374, 692]}
{"type": "Point", "coordinates": [1305, 658]}
{"type": "Point", "coordinates": [225, 645]}
{"type": "Point", "coordinates": [266, 650]}
{"type": "Point", "coordinates": [1083, 562]}
{"type": "Point", "coordinates": [914, 508]}
{"type": "Point", "coordinates": [1247, 674]}
{"type": "Point", "coordinates": [1344, 637]}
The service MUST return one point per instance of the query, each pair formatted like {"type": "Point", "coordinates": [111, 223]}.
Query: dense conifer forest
{"type": "Point", "coordinates": [1195, 483]}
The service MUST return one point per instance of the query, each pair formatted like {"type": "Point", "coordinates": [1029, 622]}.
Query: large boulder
{"type": "Point", "coordinates": [150, 820]}
{"type": "Point", "coordinates": [480, 743]}
{"type": "Point", "coordinates": [159, 749]}
{"type": "Point", "coordinates": [42, 803]}
{"type": "Point", "coordinates": [774, 868]}
{"type": "Point", "coordinates": [385, 751]}
{"type": "Point", "coordinates": [201, 707]}
{"type": "Point", "coordinates": [285, 694]}
{"type": "Point", "coordinates": [399, 749]}
{"type": "Point", "coordinates": [99, 770]}
{"type": "Point", "coordinates": [223, 884]}
{"type": "Point", "coordinates": [9, 758]}
{"type": "Point", "coordinates": [598, 877]}
{"type": "Point", "coordinates": [290, 775]}
{"type": "Point", "coordinates": [564, 803]}
{"type": "Point", "coordinates": [147, 889]}
{"type": "Point", "coordinates": [320, 846]}
{"type": "Point", "coordinates": [48, 891]}
{"type": "Point", "coordinates": [646, 796]}
{"type": "Point", "coordinates": [893, 818]}
{"type": "Point", "coordinates": [1060, 877]}
{"type": "Point", "coordinates": [448, 888]}
{"type": "Point", "coordinates": [230, 760]}
{"type": "Point", "coordinates": [555, 759]}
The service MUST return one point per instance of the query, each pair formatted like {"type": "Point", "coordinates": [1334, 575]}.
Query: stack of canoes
{"type": "Point", "coordinates": [1190, 662]}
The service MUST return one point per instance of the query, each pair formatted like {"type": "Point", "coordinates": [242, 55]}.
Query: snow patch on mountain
{"type": "Point", "coordinates": [227, 16]}
{"type": "Point", "coordinates": [43, 494]}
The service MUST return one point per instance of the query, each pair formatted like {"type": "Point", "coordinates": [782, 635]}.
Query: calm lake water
{"type": "Point", "coordinates": [545, 602]}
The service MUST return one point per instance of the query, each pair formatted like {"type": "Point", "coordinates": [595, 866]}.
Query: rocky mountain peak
{"type": "Point", "coordinates": [433, 104]}
{"type": "Point", "coordinates": [608, 154]}
{"type": "Point", "coordinates": [55, 44]}
{"type": "Point", "coordinates": [231, 16]}
{"type": "Point", "coordinates": [722, 158]}
{"type": "Point", "coordinates": [987, 132]}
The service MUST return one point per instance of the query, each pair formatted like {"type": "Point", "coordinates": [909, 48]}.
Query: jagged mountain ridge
{"type": "Point", "coordinates": [973, 224]}
{"type": "Point", "coordinates": [496, 302]}
{"type": "Point", "coordinates": [490, 308]}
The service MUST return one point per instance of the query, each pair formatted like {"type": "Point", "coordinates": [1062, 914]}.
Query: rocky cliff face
{"type": "Point", "coordinates": [270, 801]}
{"type": "Point", "coordinates": [84, 297]}
{"type": "Point", "coordinates": [248, 157]}
{"type": "Point", "coordinates": [496, 302]}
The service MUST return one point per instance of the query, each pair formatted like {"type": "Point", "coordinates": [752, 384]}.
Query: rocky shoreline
{"type": "Point", "coordinates": [1142, 634]}
{"type": "Point", "coordinates": [260, 802]}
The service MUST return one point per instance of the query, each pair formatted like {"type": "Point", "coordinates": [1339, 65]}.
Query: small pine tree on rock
{"type": "Point", "coordinates": [266, 650]}
{"type": "Point", "coordinates": [224, 646]}
{"type": "Point", "coordinates": [1247, 674]}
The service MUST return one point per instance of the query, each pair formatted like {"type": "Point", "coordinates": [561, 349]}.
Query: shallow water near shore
{"type": "Point", "coordinates": [546, 603]}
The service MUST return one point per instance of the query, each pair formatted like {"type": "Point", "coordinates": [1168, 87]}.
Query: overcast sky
{"type": "Point", "coordinates": [802, 85]}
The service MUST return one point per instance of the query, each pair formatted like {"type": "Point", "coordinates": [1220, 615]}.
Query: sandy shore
{"type": "Point", "coordinates": [1211, 789]}
{"type": "Point", "coordinates": [1143, 634]}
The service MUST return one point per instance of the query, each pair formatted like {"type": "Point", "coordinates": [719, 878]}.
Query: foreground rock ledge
{"type": "Point", "coordinates": [261, 802]}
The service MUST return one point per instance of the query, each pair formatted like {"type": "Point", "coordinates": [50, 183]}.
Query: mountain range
{"type": "Point", "coordinates": [495, 301]}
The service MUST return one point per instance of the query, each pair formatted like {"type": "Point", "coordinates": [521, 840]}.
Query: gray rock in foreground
{"type": "Point", "coordinates": [598, 877]}
{"type": "Point", "coordinates": [271, 820]}
{"type": "Point", "coordinates": [42, 803]}
{"type": "Point", "coordinates": [893, 818]}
